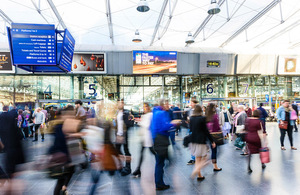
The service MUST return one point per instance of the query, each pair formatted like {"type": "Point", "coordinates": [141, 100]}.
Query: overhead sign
{"type": "Point", "coordinates": [5, 63]}
{"type": "Point", "coordinates": [67, 50]}
{"type": "Point", "coordinates": [33, 44]}
{"type": "Point", "coordinates": [89, 63]}
{"type": "Point", "coordinates": [153, 62]}
{"type": "Point", "coordinates": [288, 65]}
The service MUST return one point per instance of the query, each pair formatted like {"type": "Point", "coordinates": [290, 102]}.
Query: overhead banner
{"type": "Point", "coordinates": [288, 65]}
{"type": "Point", "coordinates": [154, 62]}
{"type": "Point", "coordinates": [89, 63]}
{"type": "Point", "coordinates": [5, 63]}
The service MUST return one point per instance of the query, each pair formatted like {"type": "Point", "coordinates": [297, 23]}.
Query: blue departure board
{"type": "Point", "coordinates": [67, 51]}
{"type": "Point", "coordinates": [33, 44]}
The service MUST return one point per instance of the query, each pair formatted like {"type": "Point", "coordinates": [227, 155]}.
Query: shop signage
{"type": "Point", "coordinates": [89, 63]}
{"type": "Point", "coordinates": [288, 65]}
{"type": "Point", "coordinates": [5, 63]}
{"type": "Point", "coordinates": [154, 62]}
{"type": "Point", "coordinates": [213, 63]}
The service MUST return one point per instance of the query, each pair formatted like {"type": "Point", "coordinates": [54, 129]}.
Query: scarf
{"type": "Point", "coordinates": [287, 109]}
{"type": "Point", "coordinates": [237, 117]}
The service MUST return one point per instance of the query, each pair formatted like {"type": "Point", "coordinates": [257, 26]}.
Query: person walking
{"type": "Point", "coordinates": [263, 115]}
{"type": "Point", "coordinates": [198, 145]}
{"type": "Point", "coordinates": [80, 112]}
{"type": "Point", "coordinates": [239, 124]}
{"type": "Point", "coordinates": [177, 115]}
{"type": "Point", "coordinates": [231, 109]}
{"type": "Point", "coordinates": [146, 137]}
{"type": "Point", "coordinates": [39, 120]}
{"type": "Point", "coordinates": [253, 125]}
{"type": "Point", "coordinates": [160, 127]}
{"type": "Point", "coordinates": [20, 122]}
{"type": "Point", "coordinates": [284, 117]}
{"type": "Point", "coordinates": [225, 121]}
{"type": "Point", "coordinates": [212, 120]}
{"type": "Point", "coordinates": [124, 121]}
{"type": "Point", "coordinates": [194, 102]}
{"type": "Point", "coordinates": [295, 107]}
{"type": "Point", "coordinates": [248, 111]}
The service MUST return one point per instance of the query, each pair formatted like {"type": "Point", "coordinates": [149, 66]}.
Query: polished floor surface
{"type": "Point", "coordinates": [281, 176]}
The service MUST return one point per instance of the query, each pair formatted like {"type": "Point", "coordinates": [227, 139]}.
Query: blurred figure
{"type": "Point", "coordinates": [147, 141]}
{"type": "Point", "coordinates": [225, 121]}
{"type": "Point", "coordinates": [124, 121]}
{"type": "Point", "coordinates": [296, 114]}
{"type": "Point", "coordinates": [240, 120]}
{"type": "Point", "coordinates": [263, 115]}
{"type": "Point", "coordinates": [80, 112]}
{"type": "Point", "coordinates": [231, 110]}
{"type": "Point", "coordinates": [248, 111]}
{"type": "Point", "coordinates": [10, 137]}
{"type": "Point", "coordinates": [177, 115]}
{"type": "Point", "coordinates": [198, 146]}
{"type": "Point", "coordinates": [52, 114]}
{"type": "Point", "coordinates": [39, 120]}
{"type": "Point", "coordinates": [212, 119]}
{"type": "Point", "coordinates": [20, 122]}
{"type": "Point", "coordinates": [252, 126]}
{"type": "Point", "coordinates": [284, 116]}
{"type": "Point", "coordinates": [194, 102]}
{"type": "Point", "coordinates": [234, 115]}
{"type": "Point", "coordinates": [172, 131]}
{"type": "Point", "coordinates": [160, 126]}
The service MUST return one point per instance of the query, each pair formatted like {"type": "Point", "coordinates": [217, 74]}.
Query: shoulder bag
{"type": "Point", "coordinates": [283, 125]}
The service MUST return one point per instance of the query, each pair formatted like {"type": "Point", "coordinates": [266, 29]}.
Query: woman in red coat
{"type": "Point", "coordinates": [253, 125]}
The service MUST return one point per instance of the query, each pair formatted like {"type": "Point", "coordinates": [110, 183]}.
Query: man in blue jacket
{"type": "Point", "coordinates": [160, 126]}
{"type": "Point", "coordinates": [263, 115]}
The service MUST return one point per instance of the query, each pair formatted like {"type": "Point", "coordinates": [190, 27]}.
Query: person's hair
{"type": "Point", "coordinates": [194, 101]}
{"type": "Point", "coordinates": [78, 102]}
{"type": "Point", "coordinates": [286, 101]}
{"type": "Point", "coordinates": [162, 102]}
{"type": "Point", "coordinates": [241, 107]}
{"type": "Point", "coordinates": [261, 104]}
{"type": "Point", "coordinates": [20, 111]}
{"type": "Point", "coordinates": [5, 108]}
{"type": "Point", "coordinates": [146, 104]}
{"type": "Point", "coordinates": [256, 113]}
{"type": "Point", "coordinates": [197, 111]}
{"type": "Point", "coordinates": [210, 112]}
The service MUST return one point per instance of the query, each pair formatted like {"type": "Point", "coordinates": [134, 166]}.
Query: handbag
{"type": "Point", "coordinates": [71, 126]}
{"type": "Point", "coordinates": [239, 143]}
{"type": "Point", "coordinates": [187, 140]}
{"type": "Point", "coordinates": [109, 158]}
{"type": "Point", "coordinates": [283, 125]}
{"type": "Point", "coordinates": [120, 139]}
{"type": "Point", "coordinates": [240, 128]}
{"type": "Point", "coordinates": [161, 144]}
{"type": "Point", "coordinates": [264, 154]}
{"type": "Point", "coordinates": [218, 138]}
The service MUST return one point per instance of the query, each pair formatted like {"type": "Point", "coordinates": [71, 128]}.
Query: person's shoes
{"type": "Point", "coordinates": [35, 140]}
{"type": "Point", "coordinates": [220, 169]}
{"type": "Point", "coordinates": [237, 148]}
{"type": "Point", "coordinates": [200, 178]}
{"type": "Point", "coordinates": [249, 170]}
{"type": "Point", "coordinates": [63, 192]}
{"type": "Point", "coordinates": [137, 173]}
{"type": "Point", "coordinates": [43, 139]}
{"type": "Point", "coordinates": [164, 187]}
{"type": "Point", "coordinates": [191, 162]}
{"type": "Point", "coordinates": [293, 148]}
{"type": "Point", "coordinates": [125, 171]}
{"type": "Point", "coordinates": [244, 154]}
{"type": "Point", "coordinates": [283, 148]}
{"type": "Point", "coordinates": [176, 134]}
{"type": "Point", "coordinates": [263, 166]}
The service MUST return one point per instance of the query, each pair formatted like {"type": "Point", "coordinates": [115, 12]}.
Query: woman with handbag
{"type": "Point", "coordinates": [198, 146]}
{"type": "Point", "coordinates": [213, 126]}
{"type": "Point", "coordinates": [225, 121]}
{"type": "Point", "coordinates": [285, 124]}
{"type": "Point", "coordinates": [253, 125]}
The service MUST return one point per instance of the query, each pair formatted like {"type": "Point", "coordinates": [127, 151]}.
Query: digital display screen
{"type": "Point", "coordinates": [89, 63]}
{"type": "Point", "coordinates": [215, 63]}
{"type": "Point", "coordinates": [5, 63]}
{"type": "Point", "coordinates": [33, 44]}
{"type": "Point", "coordinates": [153, 62]}
{"type": "Point", "coordinates": [67, 51]}
{"type": "Point", "coordinates": [289, 65]}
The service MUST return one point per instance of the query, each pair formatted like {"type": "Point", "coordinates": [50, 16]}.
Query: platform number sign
{"type": "Point", "coordinates": [246, 87]}
{"type": "Point", "coordinates": [209, 88]}
{"type": "Point", "coordinates": [49, 90]}
{"type": "Point", "coordinates": [92, 88]}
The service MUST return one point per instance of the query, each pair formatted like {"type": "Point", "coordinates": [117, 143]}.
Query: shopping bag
{"type": "Point", "coordinates": [218, 138]}
{"type": "Point", "coordinates": [264, 154]}
{"type": "Point", "coordinates": [239, 143]}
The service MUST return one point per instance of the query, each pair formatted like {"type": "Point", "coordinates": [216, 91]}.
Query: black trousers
{"type": "Point", "coordinates": [289, 131]}
{"type": "Point", "coordinates": [142, 156]}
{"type": "Point", "coordinates": [64, 181]}
{"type": "Point", "coordinates": [125, 147]}
{"type": "Point", "coordinates": [36, 133]}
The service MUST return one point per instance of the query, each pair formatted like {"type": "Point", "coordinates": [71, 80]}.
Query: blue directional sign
{"type": "Point", "coordinates": [33, 44]}
{"type": "Point", "coordinates": [67, 51]}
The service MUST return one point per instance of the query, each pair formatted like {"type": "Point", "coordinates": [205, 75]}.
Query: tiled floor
{"type": "Point", "coordinates": [282, 175]}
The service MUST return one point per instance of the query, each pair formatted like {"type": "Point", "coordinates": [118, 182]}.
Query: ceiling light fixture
{"type": "Point", "coordinates": [137, 38]}
{"type": "Point", "coordinates": [190, 39]}
{"type": "Point", "coordinates": [143, 6]}
{"type": "Point", "coordinates": [214, 8]}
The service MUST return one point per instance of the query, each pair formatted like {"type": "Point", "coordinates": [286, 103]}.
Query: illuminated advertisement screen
{"type": "Point", "coordinates": [89, 63]}
{"type": "Point", "coordinates": [288, 65]}
{"type": "Point", "coordinates": [154, 62]}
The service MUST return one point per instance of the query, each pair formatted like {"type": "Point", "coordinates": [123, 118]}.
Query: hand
{"type": "Point", "coordinates": [213, 145]}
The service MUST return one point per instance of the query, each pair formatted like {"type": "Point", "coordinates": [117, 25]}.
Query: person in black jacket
{"type": "Point", "coordinates": [198, 146]}
{"type": "Point", "coordinates": [295, 107]}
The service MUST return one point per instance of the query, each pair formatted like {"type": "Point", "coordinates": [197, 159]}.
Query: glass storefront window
{"type": "Point", "coordinates": [156, 80]}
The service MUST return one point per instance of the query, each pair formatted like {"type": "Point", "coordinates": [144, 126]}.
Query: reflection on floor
{"type": "Point", "coordinates": [282, 175]}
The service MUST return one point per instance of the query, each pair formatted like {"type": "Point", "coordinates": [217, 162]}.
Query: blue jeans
{"type": "Point", "coordinates": [213, 154]}
{"type": "Point", "coordinates": [159, 170]}
{"type": "Point", "coordinates": [192, 157]}
{"type": "Point", "coordinates": [172, 137]}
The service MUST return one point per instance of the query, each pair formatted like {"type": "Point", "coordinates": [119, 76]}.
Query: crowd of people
{"type": "Point", "coordinates": [82, 138]}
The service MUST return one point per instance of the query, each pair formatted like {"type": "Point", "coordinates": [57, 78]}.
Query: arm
{"type": "Point", "coordinates": [204, 127]}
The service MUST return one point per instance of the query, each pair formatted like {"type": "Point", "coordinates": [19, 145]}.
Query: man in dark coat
{"type": "Point", "coordinates": [11, 139]}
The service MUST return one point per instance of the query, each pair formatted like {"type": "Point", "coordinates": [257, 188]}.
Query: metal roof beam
{"type": "Point", "coordinates": [109, 21]}
{"type": "Point", "coordinates": [161, 14]}
{"type": "Point", "coordinates": [5, 17]}
{"type": "Point", "coordinates": [60, 20]}
{"type": "Point", "coordinates": [38, 9]}
{"type": "Point", "coordinates": [252, 21]}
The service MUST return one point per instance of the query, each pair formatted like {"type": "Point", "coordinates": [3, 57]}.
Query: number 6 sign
{"type": "Point", "coordinates": [209, 88]}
